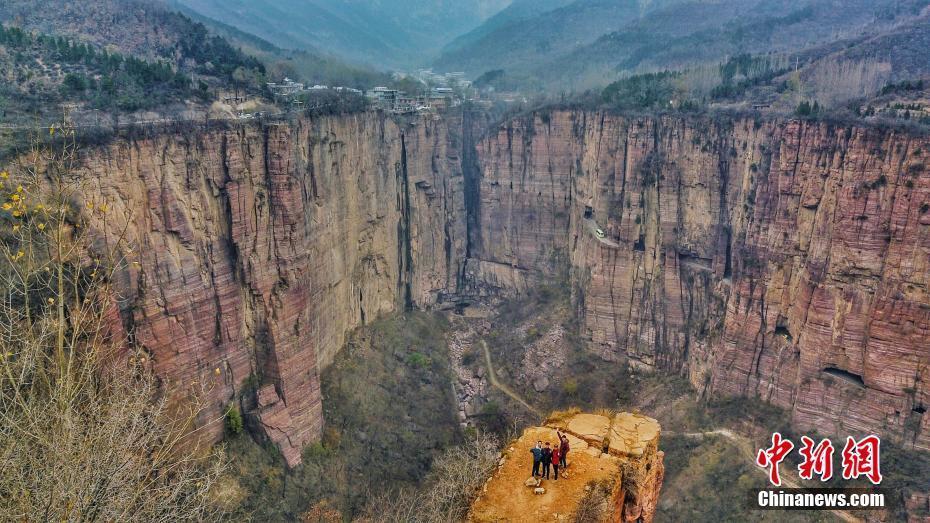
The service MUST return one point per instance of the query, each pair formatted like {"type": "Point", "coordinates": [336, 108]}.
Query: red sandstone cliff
{"type": "Point", "coordinates": [787, 261]}
{"type": "Point", "coordinates": [261, 246]}
{"type": "Point", "coordinates": [781, 260]}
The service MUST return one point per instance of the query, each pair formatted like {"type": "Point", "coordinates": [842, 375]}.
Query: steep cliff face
{"type": "Point", "coordinates": [260, 246]}
{"type": "Point", "coordinates": [787, 261]}
{"type": "Point", "coordinates": [784, 260]}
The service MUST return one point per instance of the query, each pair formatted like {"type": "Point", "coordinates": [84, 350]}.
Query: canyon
{"type": "Point", "coordinates": [261, 247]}
{"type": "Point", "coordinates": [785, 260]}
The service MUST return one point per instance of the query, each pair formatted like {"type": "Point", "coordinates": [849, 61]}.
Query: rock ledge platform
{"type": "Point", "coordinates": [616, 453]}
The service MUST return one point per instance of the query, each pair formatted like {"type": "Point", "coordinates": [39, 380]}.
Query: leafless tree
{"type": "Point", "coordinates": [594, 504]}
{"type": "Point", "coordinates": [86, 434]}
{"type": "Point", "coordinates": [449, 490]}
{"type": "Point", "coordinates": [835, 81]}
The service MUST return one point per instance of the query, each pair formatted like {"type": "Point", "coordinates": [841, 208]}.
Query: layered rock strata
{"type": "Point", "coordinates": [258, 247]}
{"type": "Point", "coordinates": [781, 260]}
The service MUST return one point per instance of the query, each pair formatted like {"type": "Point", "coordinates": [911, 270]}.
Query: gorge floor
{"type": "Point", "coordinates": [395, 399]}
{"type": "Point", "coordinates": [703, 474]}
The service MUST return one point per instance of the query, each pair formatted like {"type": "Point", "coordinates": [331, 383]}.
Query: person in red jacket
{"type": "Point", "coordinates": [556, 459]}
{"type": "Point", "coordinates": [563, 449]}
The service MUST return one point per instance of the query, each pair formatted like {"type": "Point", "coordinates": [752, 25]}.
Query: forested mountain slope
{"type": "Point", "coordinates": [398, 33]}
{"type": "Point", "coordinates": [580, 45]}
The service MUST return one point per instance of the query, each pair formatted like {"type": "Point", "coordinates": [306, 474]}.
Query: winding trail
{"type": "Point", "coordinates": [492, 377]}
{"type": "Point", "coordinates": [746, 447]}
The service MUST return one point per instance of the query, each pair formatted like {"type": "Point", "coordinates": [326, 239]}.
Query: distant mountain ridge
{"type": "Point", "coordinates": [516, 11]}
{"type": "Point", "coordinates": [588, 43]}
{"type": "Point", "coordinates": [308, 65]}
{"type": "Point", "coordinates": [100, 60]}
{"type": "Point", "coordinates": [143, 29]}
{"type": "Point", "coordinates": [728, 28]}
{"type": "Point", "coordinates": [399, 33]}
{"type": "Point", "coordinates": [530, 37]}
{"type": "Point", "coordinates": [166, 30]}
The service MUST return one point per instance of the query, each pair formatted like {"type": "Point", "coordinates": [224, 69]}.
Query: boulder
{"type": "Point", "coordinates": [592, 428]}
{"type": "Point", "coordinates": [541, 383]}
{"type": "Point", "coordinates": [472, 409]}
{"type": "Point", "coordinates": [632, 434]}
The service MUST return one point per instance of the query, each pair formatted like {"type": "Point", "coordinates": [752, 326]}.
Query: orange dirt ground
{"type": "Point", "coordinates": [506, 498]}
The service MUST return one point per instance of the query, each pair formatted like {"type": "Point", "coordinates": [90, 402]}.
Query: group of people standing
{"type": "Point", "coordinates": [550, 457]}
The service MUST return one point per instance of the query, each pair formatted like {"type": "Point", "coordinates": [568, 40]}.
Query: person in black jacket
{"type": "Point", "coordinates": [537, 452]}
{"type": "Point", "coordinates": [546, 460]}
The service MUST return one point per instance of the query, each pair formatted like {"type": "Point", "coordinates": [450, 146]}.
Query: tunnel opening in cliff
{"type": "Point", "coordinates": [782, 330]}
{"type": "Point", "coordinates": [845, 375]}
